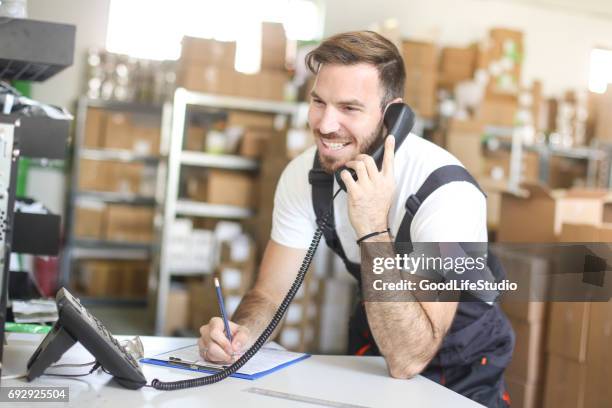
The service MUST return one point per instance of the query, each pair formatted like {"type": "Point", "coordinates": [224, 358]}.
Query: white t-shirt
{"type": "Point", "coordinates": [455, 212]}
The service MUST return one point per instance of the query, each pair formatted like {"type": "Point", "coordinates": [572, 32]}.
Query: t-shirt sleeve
{"type": "Point", "coordinates": [293, 219]}
{"type": "Point", "coordinates": [456, 212]}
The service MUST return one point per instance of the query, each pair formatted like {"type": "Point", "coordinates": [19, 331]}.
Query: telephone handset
{"type": "Point", "coordinates": [399, 121]}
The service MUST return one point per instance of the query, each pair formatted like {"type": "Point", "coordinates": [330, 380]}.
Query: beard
{"type": "Point", "coordinates": [373, 140]}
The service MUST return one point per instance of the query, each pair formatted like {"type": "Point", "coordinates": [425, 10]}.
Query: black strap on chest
{"type": "Point", "coordinates": [438, 178]}
{"type": "Point", "coordinates": [322, 193]}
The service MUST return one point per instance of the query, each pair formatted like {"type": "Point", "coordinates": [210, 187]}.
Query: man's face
{"type": "Point", "coordinates": [344, 114]}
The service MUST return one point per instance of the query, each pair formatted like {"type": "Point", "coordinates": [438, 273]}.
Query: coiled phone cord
{"type": "Point", "coordinates": [226, 372]}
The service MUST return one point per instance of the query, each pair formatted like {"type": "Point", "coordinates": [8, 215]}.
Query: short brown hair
{"type": "Point", "coordinates": [363, 47]}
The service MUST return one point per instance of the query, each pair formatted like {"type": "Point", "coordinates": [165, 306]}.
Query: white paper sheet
{"type": "Point", "coordinates": [268, 358]}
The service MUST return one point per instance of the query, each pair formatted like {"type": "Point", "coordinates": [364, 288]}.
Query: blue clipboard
{"type": "Point", "coordinates": [212, 370]}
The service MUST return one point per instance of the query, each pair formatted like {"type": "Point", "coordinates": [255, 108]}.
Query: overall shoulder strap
{"type": "Point", "coordinates": [322, 192]}
{"type": "Point", "coordinates": [438, 178]}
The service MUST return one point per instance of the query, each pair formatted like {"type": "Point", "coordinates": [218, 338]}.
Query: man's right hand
{"type": "Point", "coordinates": [215, 346]}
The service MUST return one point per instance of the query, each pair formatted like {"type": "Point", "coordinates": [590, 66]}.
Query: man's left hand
{"type": "Point", "coordinates": [370, 197]}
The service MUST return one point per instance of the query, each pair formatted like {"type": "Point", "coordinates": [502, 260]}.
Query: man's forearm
{"type": "Point", "coordinates": [255, 312]}
{"type": "Point", "coordinates": [404, 332]}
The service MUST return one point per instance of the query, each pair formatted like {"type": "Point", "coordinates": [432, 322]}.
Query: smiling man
{"type": "Point", "coordinates": [462, 345]}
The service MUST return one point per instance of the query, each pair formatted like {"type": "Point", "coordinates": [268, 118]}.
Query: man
{"type": "Point", "coordinates": [357, 75]}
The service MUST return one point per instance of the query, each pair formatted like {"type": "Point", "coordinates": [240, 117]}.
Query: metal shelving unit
{"type": "Point", "coordinates": [115, 198]}
{"type": "Point", "coordinates": [594, 155]}
{"type": "Point", "coordinates": [173, 126]}
{"type": "Point", "coordinates": [78, 248]}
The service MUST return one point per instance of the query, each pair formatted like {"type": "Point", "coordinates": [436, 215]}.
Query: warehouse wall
{"type": "Point", "coordinates": [561, 39]}
{"type": "Point", "coordinates": [91, 18]}
{"type": "Point", "coordinates": [557, 42]}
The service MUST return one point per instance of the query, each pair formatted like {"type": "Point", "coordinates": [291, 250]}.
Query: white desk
{"type": "Point", "coordinates": [344, 379]}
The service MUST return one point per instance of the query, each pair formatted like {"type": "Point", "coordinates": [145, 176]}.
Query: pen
{"type": "Point", "coordinates": [228, 333]}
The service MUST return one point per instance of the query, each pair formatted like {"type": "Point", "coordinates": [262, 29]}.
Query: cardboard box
{"type": "Point", "coordinates": [524, 395]}
{"type": "Point", "coordinates": [539, 216]}
{"type": "Point", "coordinates": [273, 46]}
{"type": "Point", "coordinates": [203, 51]}
{"type": "Point", "coordinates": [565, 172]}
{"type": "Point", "coordinates": [528, 356]}
{"type": "Point", "coordinates": [457, 64]}
{"type": "Point", "coordinates": [99, 175]}
{"type": "Point", "coordinates": [420, 92]}
{"type": "Point", "coordinates": [209, 79]}
{"type": "Point", "coordinates": [603, 123]}
{"type": "Point", "coordinates": [129, 223]}
{"type": "Point", "coordinates": [565, 383]}
{"type": "Point", "coordinates": [118, 133]}
{"type": "Point", "coordinates": [420, 56]}
{"type": "Point", "coordinates": [253, 143]}
{"type": "Point", "coordinates": [146, 140]}
{"type": "Point", "coordinates": [93, 175]}
{"type": "Point", "coordinates": [250, 120]}
{"type": "Point", "coordinates": [585, 233]}
{"type": "Point", "coordinates": [531, 273]}
{"type": "Point", "coordinates": [499, 111]}
{"type": "Point", "coordinates": [505, 43]}
{"type": "Point", "coordinates": [123, 177]}
{"type": "Point", "coordinates": [195, 138]}
{"type": "Point", "coordinates": [95, 124]}
{"type": "Point", "coordinates": [202, 301]}
{"type": "Point", "coordinates": [89, 220]}
{"type": "Point", "coordinates": [568, 329]}
{"type": "Point", "coordinates": [598, 392]}
{"type": "Point", "coordinates": [115, 279]}
{"type": "Point", "coordinates": [177, 310]}
{"type": "Point", "coordinates": [196, 186]}
{"type": "Point", "coordinates": [498, 162]}
{"type": "Point", "coordinates": [464, 141]}
{"type": "Point", "coordinates": [230, 188]}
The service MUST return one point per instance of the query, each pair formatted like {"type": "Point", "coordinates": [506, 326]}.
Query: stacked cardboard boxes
{"type": "Point", "coordinates": [190, 250]}
{"type": "Point", "coordinates": [223, 187]}
{"type": "Point", "coordinates": [178, 309]}
{"type": "Point", "coordinates": [498, 110]}
{"type": "Point", "coordinates": [208, 66]}
{"type": "Point", "coordinates": [107, 129]}
{"type": "Point", "coordinates": [603, 121]}
{"type": "Point", "coordinates": [273, 163]}
{"type": "Point", "coordinates": [236, 272]}
{"type": "Point", "coordinates": [540, 214]}
{"type": "Point", "coordinates": [579, 359]}
{"type": "Point", "coordinates": [456, 65]}
{"type": "Point", "coordinates": [502, 55]}
{"type": "Point", "coordinates": [421, 63]}
{"type": "Point", "coordinates": [112, 176]}
{"type": "Point", "coordinates": [300, 329]}
{"type": "Point", "coordinates": [113, 279]}
{"type": "Point", "coordinates": [113, 222]}
{"type": "Point", "coordinates": [464, 141]}
{"type": "Point", "coordinates": [528, 316]}
{"type": "Point", "coordinates": [129, 223]}
{"type": "Point", "coordinates": [89, 219]}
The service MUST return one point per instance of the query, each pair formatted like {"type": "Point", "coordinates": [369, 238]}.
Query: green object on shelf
{"type": "Point", "coordinates": [22, 176]}
{"type": "Point", "coordinates": [26, 328]}
{"type": "Point", "coordinates": [25, 87]}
